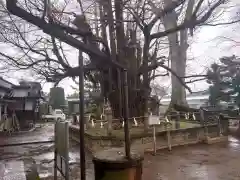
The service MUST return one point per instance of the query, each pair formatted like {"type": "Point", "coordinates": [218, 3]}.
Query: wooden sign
{"type": "Point", "coordinates": [153, 120]}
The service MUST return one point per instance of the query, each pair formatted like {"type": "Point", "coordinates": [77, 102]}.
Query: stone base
{"type": "Point", "coordinates": [112, 164]}
{"type": "Point", "coordinates": [144, 142]}
{"type": "Point", "coordinates": [151, 150]}
{"type": "Point", "coordinates": [217, 139]}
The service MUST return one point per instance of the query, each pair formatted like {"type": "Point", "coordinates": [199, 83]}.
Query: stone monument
{"type": "Point", "coordinates": [108, 117]}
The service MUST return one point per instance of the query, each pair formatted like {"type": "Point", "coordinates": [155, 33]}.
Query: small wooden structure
{"type": "Point", "coordinates": [73, 105]}
{"type": "Point", "coordinates": [20, 102]}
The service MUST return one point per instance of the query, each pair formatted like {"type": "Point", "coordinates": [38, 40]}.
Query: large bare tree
{"type": "Point", "coordinates": [130, 33]}
{"type": "Point", "coordinates": [178, 41]}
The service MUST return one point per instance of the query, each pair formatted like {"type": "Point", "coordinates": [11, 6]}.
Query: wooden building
{"type": "Point", "coordinates": [22, 100]}
{"type": "Point", "coordinates": [194, 100]}
{"type": "Point", "coordinates": [73, 103]}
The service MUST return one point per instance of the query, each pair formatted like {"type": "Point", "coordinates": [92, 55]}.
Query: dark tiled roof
{"type": "Point", "coordinates": [25, 89]}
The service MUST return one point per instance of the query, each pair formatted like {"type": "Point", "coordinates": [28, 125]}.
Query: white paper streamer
{"type": "Point", "coordinates": [135, 121]}
{"type": "Point", "coordinates": [92, 122]}
{"type": "Point", "coordinates": [123, 124]}
{"type": "Point", "coordinates": [166, 118]}
{"type": "Point", "coordinates": [194, 117]}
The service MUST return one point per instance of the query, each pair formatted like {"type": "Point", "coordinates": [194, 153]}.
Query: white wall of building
{"type": "Point", "coordinates": [20, 93]}
{"type": "Point", "coordinates": [193, 102]}
{"type": "Point", "coordinates": [29, 105]}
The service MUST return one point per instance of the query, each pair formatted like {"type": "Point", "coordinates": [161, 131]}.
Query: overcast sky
{"type": "Point", "coordinates": [209, 44]}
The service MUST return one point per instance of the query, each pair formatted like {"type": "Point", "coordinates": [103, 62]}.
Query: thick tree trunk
{"type": "Point", "coordinates": [178, 65]}
{"type": "Point", "coordinates": [146, 83]}
{"type": "Point", "coordinates": [178, 56]}
{"type": "Point", "coordinates": [136, 103]}
{"type": "Point", "coordinates": [120, 44]}
{"type": "Point", "coordinates": [126, 53]}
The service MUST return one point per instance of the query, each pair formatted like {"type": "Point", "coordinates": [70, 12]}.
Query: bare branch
{"type": "Point", "coordinates": [158, 75]}
{"type": "Point", "coordinates": [195, 75]}
{"type": "Point", "coordinates": [56, 52]}
{"type": "Point", "coordinates": [221, 23]}
{"type": "Point", "coordinates": [195, 80]}
{"type": "Point", "coordinates": [137, 18]}
{"type": "Point", "coordinates": [54, 31]}
{"type": "Point", "coordinates": [162, 12]}
{"type": "Point", "coordinates": [174, 74]}
{"type": "Point", "coordinates": [190, 23]}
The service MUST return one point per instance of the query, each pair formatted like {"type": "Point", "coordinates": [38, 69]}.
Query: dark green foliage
{"type": "Point", "coordinates": [74, 95]}
{"type": "Point", "coordinates": [57, 98]}
{"type": "Point", "coordinates": [94, 110]}
{"type": "Point", "coordinates": [225, 81]}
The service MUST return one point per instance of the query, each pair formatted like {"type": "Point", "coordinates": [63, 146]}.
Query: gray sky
{"type": "Point", "coordinates": [207, 47]}
{"type": "Point", "coordinates": [209, 44]}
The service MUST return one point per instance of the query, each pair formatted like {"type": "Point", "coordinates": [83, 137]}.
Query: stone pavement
{"type": "Point", "coordinates": [45, 133]}
{"type": "Point", "coordinates": [17, 170]}
{"type": "Point", "coordinates": [199, 162]}
{"type": "Point", "coordinates": [41, 154]}
{"type": "Point", "coordinates": [17, 162]}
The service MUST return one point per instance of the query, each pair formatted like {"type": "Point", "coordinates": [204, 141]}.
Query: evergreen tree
{"type": "Point", "coordinates": [225, 81]}
{"type": "Point", "coordinates": [57, 98]}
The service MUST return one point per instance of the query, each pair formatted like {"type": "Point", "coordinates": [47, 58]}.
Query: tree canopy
{"type": "Point", "coordinates": [57, 98]}
{"type": "Point", "coordinates": [224, 78]}
{"type": "Point", "coordinates": [133, 34]}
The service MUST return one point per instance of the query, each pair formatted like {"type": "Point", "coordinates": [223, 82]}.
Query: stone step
{"type": "Point", "coordinates": [216, 139]}
{"type": "Point", "coordinates": [18, 170]}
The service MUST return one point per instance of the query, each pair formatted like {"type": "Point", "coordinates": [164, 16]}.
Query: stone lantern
{"type": "Point", "coordinates": [75, 121]}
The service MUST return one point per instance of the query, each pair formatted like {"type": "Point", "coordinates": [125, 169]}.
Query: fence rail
{"type": "Point", "coordinates": [202, 117]}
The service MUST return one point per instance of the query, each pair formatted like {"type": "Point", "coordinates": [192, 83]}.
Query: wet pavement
{"type": "Point", "coordinates": [199, 162]}
{"type": "Point", "coordinates": [6, 170]}
{"type": "Point", "coordinates": [38, 135]}
{"type": "Point", "coordinates": [41, 154]}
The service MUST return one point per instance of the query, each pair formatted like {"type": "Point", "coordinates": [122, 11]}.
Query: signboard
{"type": "Point", "coordinates": [153, 120]}
{"type": "Point", "coordinates": [61, 154]}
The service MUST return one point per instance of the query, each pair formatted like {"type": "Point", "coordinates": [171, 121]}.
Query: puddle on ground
{"type": "Point", "coordinates": [234, 143]}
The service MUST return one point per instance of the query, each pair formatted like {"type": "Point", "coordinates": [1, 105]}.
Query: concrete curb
{"type": "Point", "coordinates": [27, 143]}
{"type": "Point", "coordinates": [19, 132]}
{"type": "Point", "coordinates": [216, 140]}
